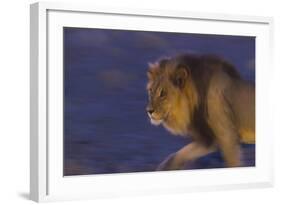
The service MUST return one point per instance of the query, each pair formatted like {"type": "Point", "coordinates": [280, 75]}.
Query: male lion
{"type": "Point", "coordinates": [205, 98]}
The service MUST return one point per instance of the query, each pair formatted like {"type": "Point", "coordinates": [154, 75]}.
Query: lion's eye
{"type": "Point", "coordinates": [162, 93]}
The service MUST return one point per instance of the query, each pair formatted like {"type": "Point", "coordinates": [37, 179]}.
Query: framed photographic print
{"type": "Point", "coordinates": [128, 101]}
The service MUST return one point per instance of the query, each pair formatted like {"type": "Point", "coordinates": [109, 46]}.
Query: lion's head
{"type": "Point", "coordinates": [172, 96]}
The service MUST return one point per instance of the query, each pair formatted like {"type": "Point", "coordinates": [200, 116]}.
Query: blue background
{"type": "Point", "coordinates": [106, 129]}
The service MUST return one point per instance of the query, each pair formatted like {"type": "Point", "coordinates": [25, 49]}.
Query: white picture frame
{"type": "Point", "coordinates": [47, 182]}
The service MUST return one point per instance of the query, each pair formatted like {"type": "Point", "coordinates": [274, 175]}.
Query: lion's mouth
{"type": "Point", "coordinates": [156, 120]}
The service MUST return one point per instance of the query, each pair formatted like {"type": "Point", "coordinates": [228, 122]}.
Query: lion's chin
{"type": "Point", "coordinates": [156, 122]}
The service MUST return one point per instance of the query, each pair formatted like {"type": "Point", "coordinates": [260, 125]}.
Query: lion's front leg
{"type": "Point", "coordinates": [170, 163]}
{"type": "Point", "coordinates": [179, 159]}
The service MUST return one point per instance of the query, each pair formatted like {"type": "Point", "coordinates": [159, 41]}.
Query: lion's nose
{"type": "Point", "coordinates": [149, 110]}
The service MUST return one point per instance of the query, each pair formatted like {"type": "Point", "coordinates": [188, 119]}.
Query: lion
{"type": "Point", "coordinates": [205, 98]}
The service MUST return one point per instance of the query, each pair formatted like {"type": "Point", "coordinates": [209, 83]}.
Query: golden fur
{"type": "Point", "coordinates": [205, 98]}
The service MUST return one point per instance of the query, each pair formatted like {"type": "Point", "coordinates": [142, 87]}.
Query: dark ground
{"type": "Point", "coordinates": [106, 129]}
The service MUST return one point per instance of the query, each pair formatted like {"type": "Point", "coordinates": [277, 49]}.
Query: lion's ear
{"type": "Point", "coordinates": [180, 76]}
{"type": "Point", "coordinates": [149, 74]}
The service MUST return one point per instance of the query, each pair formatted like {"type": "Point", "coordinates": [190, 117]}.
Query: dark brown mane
{"type": "Point", "coordinates": [202, 67]}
